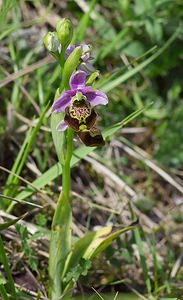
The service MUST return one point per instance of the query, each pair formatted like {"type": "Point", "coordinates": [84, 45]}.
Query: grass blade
{"type": "Point", "coordinates": [4, 261]}
{"type": "Point", "coordinates": [3, 292]}
{"type": "Point", "coordinates": [21, 158]}
{"type": "Point", "coordinates": [10, 223]}
{"type": "Point", "coordinates": [80, 32]}
{"type": "Point", "coordinates": [110, 46]}
{"type": "Point", "coordinates": [108, 86]}
{"type": "Point", "coordinates": [142, 259]}
{"type": "Point", "coordinates": [6, 6]}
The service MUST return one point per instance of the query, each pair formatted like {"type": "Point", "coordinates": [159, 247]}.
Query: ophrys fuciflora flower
{"type": "Point", "coordinates": [78, 105]}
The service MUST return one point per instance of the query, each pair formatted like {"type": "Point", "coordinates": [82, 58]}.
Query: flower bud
{"type": "Point", "coordinates": [52, 43]}
{"type": "Point", "coordinates": [64, 30]}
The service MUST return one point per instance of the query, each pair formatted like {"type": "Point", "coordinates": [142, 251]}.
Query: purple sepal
{"type": "Point", "coordinates": [62, 102]}
{"type": "Point", "coordinates": [96, 97]}
{"type": "Point", "coordinates": [62, 126]}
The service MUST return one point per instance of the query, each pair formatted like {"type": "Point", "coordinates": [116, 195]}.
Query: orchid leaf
{"type": "Point", "coordinates": [90, 245]}
{"type": "Point", "coordinates": [78, 251]}
{"type": "Point", "coordinates": [60, 244]}
{"type": "Point", "coordinates": [58, 137]}
{"type": "Point", "coordinates": [103, 239]}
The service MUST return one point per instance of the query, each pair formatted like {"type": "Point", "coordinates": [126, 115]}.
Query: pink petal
{"type": "Point", "coordinates": [62, 126]}
{"type": "Point", "coordinates": [85, 89]}
{"type": "Point", "coordinates": [96, 97]}
{"type": "Point", "coordinates": [62, 102]}
{"type": "Point", "coordinates": [78, 80]}
{"type": "Point", "coordinates": [68, 51]}
{"type": "Point", "coordinates": [86, 67]}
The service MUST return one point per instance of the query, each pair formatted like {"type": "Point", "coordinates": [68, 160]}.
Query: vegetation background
{"type": "Point", "coordinates": [136, 176]}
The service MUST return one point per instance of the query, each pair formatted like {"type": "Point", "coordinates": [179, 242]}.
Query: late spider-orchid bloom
{"type": "Point", "coordinates": [78, 104]}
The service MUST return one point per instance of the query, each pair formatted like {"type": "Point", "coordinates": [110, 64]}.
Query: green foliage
{"type": "Point", "coordinates": [170, 136]}
{"type": "Point", "coordinates": [26, 247]}
{"type": "Point", "coordinates": [80, 269]}
{"type": "Point", "coordinates": [2, 279]}
{"type": "Point", "coordinates": [70, 65]}
{"type": "Point", "coordinates": [138, 47]}
{"type": "Point", "coordinates": [10, 281]}
{"type": "Point", "coordinates": [12, 181]}
{"type": "Point", "coordinates": [82, 26]}
{"type": "Point", "coordinates": [58, 137]}
{"type": "Point", "coordinates": [86, 248]}
{"type": "Point", "coordinates": [41, 219]}
{"type": "Point", "coordinates": [10, 223]}
{"type": "Point", "coordinates": [5, 8]}
{"type": "Point", "coordinates": [3, 291]}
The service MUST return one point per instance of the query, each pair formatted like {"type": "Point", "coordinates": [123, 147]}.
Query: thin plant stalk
{"type": "Point", "coordinates": [66, 166]}
{"type": "Point", "coordinates": [3, 292]}
{"type": "Point", "coordinates": [4, 261]}
{"type": "Point", "coordinates": [60, 243]}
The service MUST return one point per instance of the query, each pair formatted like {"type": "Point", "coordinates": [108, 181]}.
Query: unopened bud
{"type": "Point", "coordinates": [64, 30]}
{"type": "Point", "coordinates": [52, 43]}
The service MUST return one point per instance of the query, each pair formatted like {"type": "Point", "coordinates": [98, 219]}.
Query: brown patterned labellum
{"type": "Point", "coordinates": [79, 114]}
{"type": "Point", "coordinates": [92, 137]}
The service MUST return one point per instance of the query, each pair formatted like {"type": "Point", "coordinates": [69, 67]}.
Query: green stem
{"type": "Point", "coordinates": [3, 293]}
{"type": "Point", "coordinates": [61, 59]}
{"type": "Point", "coordinates": [66, 166]}
{"type": "Point", "coordinates": [4, 261]}
{"type": "Point", "coordinates": [60, 242]}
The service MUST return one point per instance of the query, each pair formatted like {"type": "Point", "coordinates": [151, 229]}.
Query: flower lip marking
{"type": "Point", "coordinates": [80, 108]}
{"type": "Point", "coordinates": [80, 118]}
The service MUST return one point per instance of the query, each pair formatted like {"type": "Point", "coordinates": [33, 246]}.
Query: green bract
{"type": "Point", "coordinates": [70, 65]}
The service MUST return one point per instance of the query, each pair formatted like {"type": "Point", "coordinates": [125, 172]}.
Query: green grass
{"type": "Point", "coordinates": [138, 49]}
{"type": "Point", "coordinates": [125, 296]}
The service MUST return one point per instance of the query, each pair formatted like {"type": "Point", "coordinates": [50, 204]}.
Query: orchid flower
{"type": "Point", "coordinates": [86, 57]}
{"type": "Point", "coordinates": [78, 104]}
